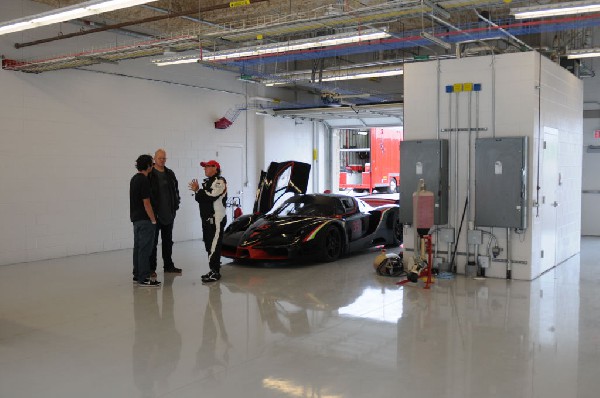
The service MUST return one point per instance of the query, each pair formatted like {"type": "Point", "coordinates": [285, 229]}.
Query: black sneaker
{"type": "Point", "coordinates": [207, 275]}
{"type": "Point", "coordinates": [149, 283]}
{"type": "Point", "coordinates": [212, 276]}
{"type": "Point", "coordinates": [173, 270]}
{"type": "Point", "coordinates": [135, 279]}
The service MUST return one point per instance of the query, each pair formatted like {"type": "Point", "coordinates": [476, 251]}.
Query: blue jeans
{"type": "Point", "coordinates": [143, 239]}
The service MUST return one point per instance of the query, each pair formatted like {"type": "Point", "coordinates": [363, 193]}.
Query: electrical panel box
{"type": "Point", "coordinates": [501, 182]}
{"type": "Point", "coordinates": [474, 237]}
{"type": "Point", "coordinates": [446, 235]}
{"type": "Point", "coordinates": [427, 160]}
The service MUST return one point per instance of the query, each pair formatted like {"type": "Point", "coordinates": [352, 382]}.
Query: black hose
{"type": "Point", "coordinates": [458, 237]}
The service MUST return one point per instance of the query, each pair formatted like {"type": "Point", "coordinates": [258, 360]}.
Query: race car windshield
{"type": "Point", "coordinates": [303, 209]}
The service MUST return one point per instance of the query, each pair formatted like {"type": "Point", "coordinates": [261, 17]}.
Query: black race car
{"type": "Point", "coordinates": [322, 226]}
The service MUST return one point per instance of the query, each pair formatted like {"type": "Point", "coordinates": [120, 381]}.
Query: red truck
{"type": "Point", "coordinates": [370, 159]}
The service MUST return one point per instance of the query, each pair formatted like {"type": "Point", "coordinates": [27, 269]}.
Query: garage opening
{"type": "Point", "coordinates": [369, 159]}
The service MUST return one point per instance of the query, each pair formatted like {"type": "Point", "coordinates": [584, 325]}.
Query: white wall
{"type": "Point", "coordinates": [562, 109]}
{"type": "Point", "coordinates": [293, 139]}
{"type": "Point", "coordinates": [509, 88]}
{"type": "Point", "coordinates": [590, 216]}
{"type": "Point", "coordinates": [69, 140]}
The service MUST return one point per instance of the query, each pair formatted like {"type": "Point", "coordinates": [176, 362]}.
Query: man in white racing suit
{"type": "Point", "coordinates": [212, 198]}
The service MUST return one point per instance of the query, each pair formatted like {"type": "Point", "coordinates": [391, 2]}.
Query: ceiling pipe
{"type": "Point", "coordinates": [130, 23]}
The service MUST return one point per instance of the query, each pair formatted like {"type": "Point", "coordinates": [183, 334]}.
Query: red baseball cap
{"type": "Point", "coordinates": [211, 163]}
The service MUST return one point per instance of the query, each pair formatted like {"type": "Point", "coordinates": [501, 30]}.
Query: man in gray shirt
{"type": "Point", "coordinates": [165, 202]}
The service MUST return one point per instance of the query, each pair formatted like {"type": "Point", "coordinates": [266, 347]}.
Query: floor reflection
{"type": "Point", "coordinates": [322, 330]}
{"type": "Point", "coordinates": [213, 354]}
{"type": "Point", "coordinates": [157, 344]}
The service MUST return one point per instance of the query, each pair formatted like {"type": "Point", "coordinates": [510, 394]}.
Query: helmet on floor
{"type": "Point", "coordinates": [388, 264]}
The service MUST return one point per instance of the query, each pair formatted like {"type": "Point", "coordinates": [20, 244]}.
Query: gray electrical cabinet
{"type": "Point", "coordinates": [501, 182]}
{"type": "Point", "coordinates": [427, 160]}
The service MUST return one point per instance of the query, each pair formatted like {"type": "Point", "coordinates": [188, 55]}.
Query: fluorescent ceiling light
{"type": "Point", "coordinates": [296, 45]}
{"type": "Point", "coordinates": [176, 61]}
{"type": "Point", "coordinates": [583, 53]}
{"type": "Point", "coordinates": [338, 75]}
{"type": "Point", "coordinates": [56, 18]}
{"type": "Point", "coordinates": [317, 42]}
{"type": "Point", "coordinates": [550, 10]}
{"type": "Point", "coordinates": [272, 83]}
{"type": "Point", "coordinates": [75, 11]}
{"type": "Point", "coordinates": [365, 75]}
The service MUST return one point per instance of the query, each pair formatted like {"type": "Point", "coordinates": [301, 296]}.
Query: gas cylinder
{"type": "Point", "coordinates": [423, 209]}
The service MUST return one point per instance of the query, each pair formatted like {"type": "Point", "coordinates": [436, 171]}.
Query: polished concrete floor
{"type": "Point", "coordinates": [78, 327]}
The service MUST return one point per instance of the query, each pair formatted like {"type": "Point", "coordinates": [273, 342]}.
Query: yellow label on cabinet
{"type": "Point", "coordinates": [239, 3]}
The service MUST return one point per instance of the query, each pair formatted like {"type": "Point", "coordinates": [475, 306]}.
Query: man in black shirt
{"type": "Point", "coordinates": [165, 202]}
{"type": "Point", "coordinates": [144, 222]}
